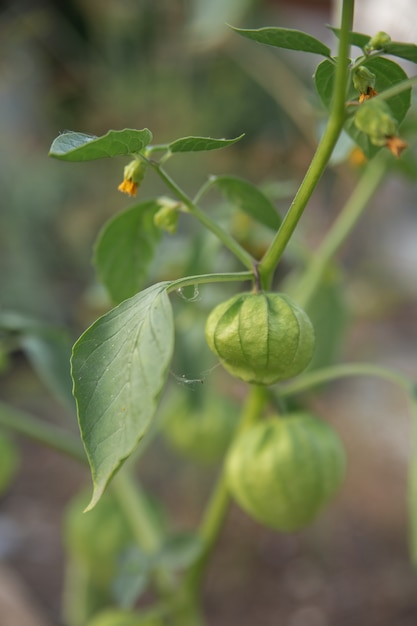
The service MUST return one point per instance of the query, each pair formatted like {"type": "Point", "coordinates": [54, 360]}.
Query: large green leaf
{"type": "Point", "coordinates": [124, 250]}
{"type": "Point", "coordinates": [72, 146]}
{"type": "Point", "coordinates": [249, 199]}
{"type": "Point", "coordinates": [285, 38]}
{"type": "Point", "coordinates": [406, 51]}
{"type": "Point", "coordinates": [119, 367]}
{"type": "Point", "coordinates": [388, 73]}
{"type": "Point", "coordinates": [200, 144]}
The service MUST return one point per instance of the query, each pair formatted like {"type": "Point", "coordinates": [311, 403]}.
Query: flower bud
{"type": "Point", "coordinates": [377, 42]}
{"type": "Point", "coordinates": [166, 218]}
{"type": "Point", "coordinates": [363, 79]}
{"type": "Point", "coordinates": [133, 175]}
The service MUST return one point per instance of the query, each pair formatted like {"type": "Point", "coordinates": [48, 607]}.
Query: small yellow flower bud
{"type": "Point", "coordinates": [132, 177]}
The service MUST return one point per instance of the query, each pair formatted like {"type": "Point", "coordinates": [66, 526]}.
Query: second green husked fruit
{"type": "Point", "coordinates": [261, 338]}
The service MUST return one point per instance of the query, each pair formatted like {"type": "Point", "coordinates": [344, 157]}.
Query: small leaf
{"type": "Point", "coordinates": [124, 250]}
{"type": "Point", "coordinates": [179, 551]}
{"type": "Point", "coordinates": [200, 144]}
{"type": "Point", "coordinates": [355, 39]}
{"type": "Point", "coordinates": [286, 38]}
{"type": "Point", "coordinates": [249, 199]}
{"type": "Point", "coordinates": [72, 146]}
{"type": "Point", "coordinates": [388, 73]}
{"type": "Point", "coordinates": [119, 366]}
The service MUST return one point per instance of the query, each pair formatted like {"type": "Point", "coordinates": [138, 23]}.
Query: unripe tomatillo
{"type": "Point", "coordinates": [261, 338]}
{"type": "Point", "coordinates": [282, 472]}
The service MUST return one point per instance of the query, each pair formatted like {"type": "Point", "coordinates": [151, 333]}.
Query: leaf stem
{"type": "Point", "coordinates": [369, 182]}
{"type": "Point", "coordinates": [246, 259]}
{"type": "Point", "coordinates": [321, 157]}
{"type": "Point", "coordinates": [41, 432]}
{"type": "Point", "coordinates": [202, 279]}
{"type": "Point", "coordinates": [318, 377]}
{"type": "Point", "coordinates": [215, 513]}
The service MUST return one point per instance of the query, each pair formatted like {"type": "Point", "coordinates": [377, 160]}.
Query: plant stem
{"type": "Point", "coordinates": [342, 227]}
{"type": "Point", "coordinates": [133, 501]}
{"type": "Point", "coordinates": [217, 507]}
{"type": "Point", "coordinates": [228, 241]}
{"type": "Point", "coordinates": [412, 483]}
{"type": "Point", "coordinates": [318, 377]}
{"type": "Point", "coordinates": [321, 157]}
{"type": "Point", "coordinates": [209, 278]}
{"type": "Point", "coordinates": [135, 506]}
{"type": "Point", "coordinates": [41, 432]}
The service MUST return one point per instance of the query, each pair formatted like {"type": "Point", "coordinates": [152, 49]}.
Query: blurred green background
{"type": "Point", "coordinates": [175, 67]}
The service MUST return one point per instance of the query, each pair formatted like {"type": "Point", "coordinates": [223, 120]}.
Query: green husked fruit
{"type": "Point", "coordinates": [261, 338]}
{"type": "Point", "coordinates": [201, 433]}
{"type": "Point", "coordinates": [284, 471]}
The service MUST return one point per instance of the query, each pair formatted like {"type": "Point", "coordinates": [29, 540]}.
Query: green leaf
{"type": "Point", "coordinates": [132, 578]}
{"type": "Point", "coordinates": [72, 146]}
{"type": "Point", "coordinates": [406, 51]}
{"type": "Point", "coordinates": [328, 313]}
{"type": "Point", "coordinates": [200, 144]}
{"type": "Point", "coordinates": [9, 463]}
{"type": "Point", "coordinates": [179, 551]}
{"type": "Point", "coordinates": [249, 199]}
{"type": "Point", "coordinates": [286, 38]}
{"type": "Point", "coordinates": [388, 73]}
{"type": "Point", "coordinates": [355, 39]}
{"type": "Point", "coordinates": [119, 367]}
{"type": "Point", "coordinates": [124, 250]}
{"type": "Point", "coordinates": [48, 350]}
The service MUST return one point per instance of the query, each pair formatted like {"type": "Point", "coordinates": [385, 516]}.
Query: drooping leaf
{"type": "Point", "coordinates": [388, 73]}
{"type": "Point", "coordinates": [47, 348]}
{"type": "Point", "coordinates": [249, 199]}
{"type": "Point", "coordinates": [119, 367]}
{"type": "Point", "coordinates": [200, 144]}
{"type": "Point", "coordinates": [124, 250]}
{"type": "Point", "coordinates": [73, 146]}
{"type": "Point", "coordinates": [286, 38]}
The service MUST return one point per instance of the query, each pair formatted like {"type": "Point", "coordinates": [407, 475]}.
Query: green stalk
{"type": "Point", "coordinates": [321, 157]}
{"type": "Point", "coordinates": [209, 278]}
{"type": "Point", "coordinates": [412, 483]}
{"type": "Point", "coordinates": [304, 382]}
{"type": "Point", "coordinates": [46, 434]}
{"type": "Point", "coordinates": [246, 259]}
{"type": "Point", "coordinates": [369, 182]}
{"type": "Point", "coordinates": [218, 505]}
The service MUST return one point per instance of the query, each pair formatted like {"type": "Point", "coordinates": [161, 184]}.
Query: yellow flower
{"type": "Point", "coordinates": [396, 145]}
{"type": "Point", "coordinates": [370, 93]}
{"type": "Point", "coordinates": [128, 187]}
